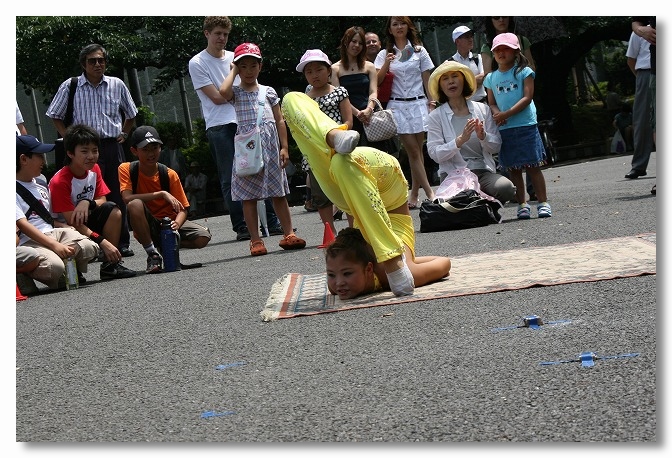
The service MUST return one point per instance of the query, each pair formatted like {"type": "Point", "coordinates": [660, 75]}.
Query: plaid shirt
{"type": "Point", "coordinates": [99, 107]}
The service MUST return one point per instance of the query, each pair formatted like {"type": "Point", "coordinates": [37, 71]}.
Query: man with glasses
{"type": "Point", "coordinates": [105, 104]}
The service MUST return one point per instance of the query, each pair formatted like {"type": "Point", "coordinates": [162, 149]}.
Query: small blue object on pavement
{"type": "Point", "coordinates": [212, 413]}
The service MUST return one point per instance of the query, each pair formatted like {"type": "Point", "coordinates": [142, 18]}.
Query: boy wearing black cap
{"type": "Point", "coordinates": [147, 202]}
{"type": "Point", "coordinates": [54, 240]}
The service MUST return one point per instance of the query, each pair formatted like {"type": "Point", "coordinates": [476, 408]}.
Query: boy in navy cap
{"type": "Point", "coordinates": [53, 240]}
{"type": "Point", "coordinates": [148, 202]}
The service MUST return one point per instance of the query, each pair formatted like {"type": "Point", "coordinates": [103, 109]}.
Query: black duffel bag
{"type": "Point", "coordinates": [464, 210]}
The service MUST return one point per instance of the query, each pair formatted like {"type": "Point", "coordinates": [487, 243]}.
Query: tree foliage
{"type": "Point", "coordinates": [168, 42]}
{"type": "Point", "coordinates": [48, 47]}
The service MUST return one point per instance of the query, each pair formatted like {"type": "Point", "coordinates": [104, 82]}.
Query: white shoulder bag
{"type": "Point", "coordinates": [248, 156]}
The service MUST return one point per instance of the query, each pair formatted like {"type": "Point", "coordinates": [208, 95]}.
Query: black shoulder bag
{"type": "Point", "coordinates": [464, 210]}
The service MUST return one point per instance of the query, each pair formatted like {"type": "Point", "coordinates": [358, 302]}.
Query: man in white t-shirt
{"type": "Point", "coordinates": [463, 37]}
{"type": "Point", "coordinates": [208, 69]}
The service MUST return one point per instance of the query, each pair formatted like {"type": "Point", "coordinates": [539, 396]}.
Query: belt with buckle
{"type": "Point", "coordinates": [408, 99]}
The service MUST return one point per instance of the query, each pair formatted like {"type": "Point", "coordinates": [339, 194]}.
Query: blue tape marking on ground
{"type": "Point", "coordinates": [226, 366]}
{"type": "Point", "coordinates": [212, 413]}
{"type": "Point", "coordinates": [588, 358]}
{"type": "Point", "coordinates": [559, 321]}
{"type": "Point", "coordinates": [552, 363]}
{"type": "Point", "coordinates": [624, 355]}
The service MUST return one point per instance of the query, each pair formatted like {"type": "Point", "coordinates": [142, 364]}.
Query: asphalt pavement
{"type": "Point", "coordinates": [185, 356]}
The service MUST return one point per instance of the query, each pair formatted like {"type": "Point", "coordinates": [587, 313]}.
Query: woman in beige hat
{"type": "Point", "coordinates": [462, 136]}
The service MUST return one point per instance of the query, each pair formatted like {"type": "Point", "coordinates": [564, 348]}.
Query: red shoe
{"type": "Point", "coordinates": [257, 248]}
{"type": "Point", "coordinates": [292, 242]}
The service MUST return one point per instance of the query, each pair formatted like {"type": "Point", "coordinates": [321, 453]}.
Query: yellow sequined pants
{"type": "Point", "coordinates": [366, 183]}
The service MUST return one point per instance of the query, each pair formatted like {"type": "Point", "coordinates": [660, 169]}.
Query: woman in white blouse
{"type": "Point", "coordinates": [409, 102]}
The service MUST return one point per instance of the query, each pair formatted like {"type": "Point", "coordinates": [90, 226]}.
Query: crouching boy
{"type": "Point", "coordinates": [53, 240]}
{"type": "Point", "coordinates": [78, 198]}
{"type": "Point", "coordinates": [151, 194]}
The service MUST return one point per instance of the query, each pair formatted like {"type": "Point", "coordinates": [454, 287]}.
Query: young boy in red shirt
{"type": "Point", "coordinates": [78, 195]}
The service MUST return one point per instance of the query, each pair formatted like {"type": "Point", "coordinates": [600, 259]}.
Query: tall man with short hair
{"type": "Point", "coordinates": [105, 104]}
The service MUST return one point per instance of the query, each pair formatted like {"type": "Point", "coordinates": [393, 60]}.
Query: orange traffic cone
{"type": "Point", "coordinates": [328, 236]}
{"type": "Point", "coordinates": [19, 296]}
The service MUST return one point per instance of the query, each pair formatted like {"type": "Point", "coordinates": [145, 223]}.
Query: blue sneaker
{"type": "Point", "coordinates": [524, 211]}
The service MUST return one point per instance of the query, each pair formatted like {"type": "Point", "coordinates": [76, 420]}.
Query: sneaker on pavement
{"type": "Point", "coordinates": [112, 270]}
{"type": "Point", "coordinates": [276, 231]}
{"type": "Point", "coordinates": [154, 263]}
{"type": "Point", "coordinates": [126, 252]}
{"type": "Point", "coordinates": [243, 234]}
{"type": "Point", "coordinates": [544, 210]}
{"type": "Point", "coordinates": [524, 211]}
{"type": "Point", "coordinates": [26, 285]}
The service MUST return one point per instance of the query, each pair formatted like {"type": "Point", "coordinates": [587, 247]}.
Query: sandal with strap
{"type": "Point", "coordinates": [257, 248]}
{"type": "Point", "coordinates": [292, 242]}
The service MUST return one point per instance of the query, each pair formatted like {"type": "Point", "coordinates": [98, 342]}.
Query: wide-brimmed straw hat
{"type": "Point", "coordinates": [451, 66]}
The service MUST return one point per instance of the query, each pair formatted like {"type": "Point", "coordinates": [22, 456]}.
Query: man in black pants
{"type": "Point", "coordinates": [646, 28]}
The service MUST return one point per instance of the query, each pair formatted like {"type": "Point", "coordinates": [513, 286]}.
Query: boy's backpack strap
{"type": "Point", "coordinates": [34, 204]}
{"type": "Point", "coordinates": [133, 171]}
{"type": "Point", "coordinates": [163, 176]}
